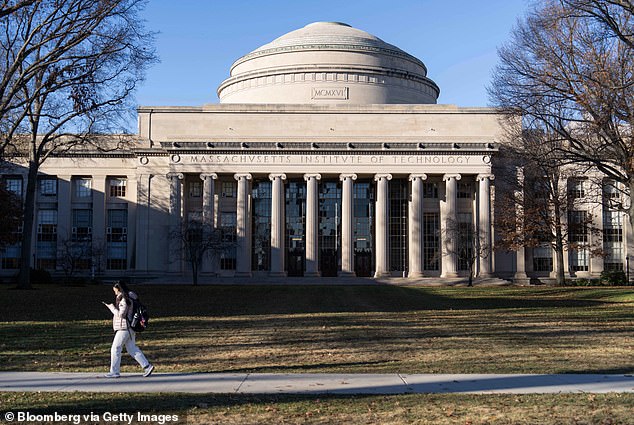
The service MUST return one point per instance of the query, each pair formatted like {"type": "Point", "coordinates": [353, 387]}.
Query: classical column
{"type": "Point", "coordinates": [98, 220]}
{"type": "Point", "coordinates": [131, 193]}
{"type": "Point", "coordinates": [209, 190]}
{"type": "Point", "coordinates": [449, 268]}
{"type": "Point", "coordinates": [64, 210]}
{"type": "Point", "coordinates": [312, 224]}
{"type": "Point", "coordinates": [243, 228]}
{"type": "Point", "coordinates": [416, 226]}
{"type": "Point", "coordinates": [381, 247]}
{"type": "Point", "coordinates": [277, 225]}
{"type": "Point", "coordinates": [347, 228]}
{"type": "Point", "coordinates": [175, 253]}
{"type": "Point", "coordinates": [596, 238]}
{"type": "Point", "coordinates": [520, 277]}
{"type": "Point", "coordinates": [143, 221]}
{"type": "Point", "coordinates": [484, 223]}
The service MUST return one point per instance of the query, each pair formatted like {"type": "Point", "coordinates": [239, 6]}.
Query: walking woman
{"type": "Point", "coordinates": [123, 334]}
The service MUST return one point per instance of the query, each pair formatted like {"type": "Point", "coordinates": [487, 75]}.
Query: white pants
{"type": "Point", "coordinates": [121, 338]}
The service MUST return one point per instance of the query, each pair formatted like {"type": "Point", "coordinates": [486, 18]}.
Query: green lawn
{"type": "Point", "coordinates": [357, 329]}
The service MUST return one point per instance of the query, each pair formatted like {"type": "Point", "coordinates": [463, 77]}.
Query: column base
{"type": "Point", "coordinates": [242, 274]}
{"type": "Point", "coordinates": [414, 275]}
{"type": "Point", "coordinates": [312, 274]}
{"type": "Point", "coordinates": [450, 275]}
{"type": "Point", "coordinates": [346, 274]}
{"type": "Point", "coordinates": [382, 274]}
{"type": "Point", "coordinates": [522, 281]}
{"type": "Point", "coordinates": [278, 274]}
{"type": "Point", "coordinates": [486, 275]}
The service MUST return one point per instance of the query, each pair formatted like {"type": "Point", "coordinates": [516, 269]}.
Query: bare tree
{"type": "Point", "coordinates": [199, 241]}
{"type": "Point", "coordinates": [69, 68]}
{"type": "Point", "coordinates": [543, 200]}
{"type": "Point", "coordinates": [74, 256]}
{"type": "Point", "coordinates": [466, 244]}
{"type": "Point", "coordinates": [612, 14]}
{"type": "Point", "coordinates": [7, 7]}
{"type": "Point", "coordinates": [568, 72]}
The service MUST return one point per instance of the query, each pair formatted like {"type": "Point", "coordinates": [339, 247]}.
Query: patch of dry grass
{"type": "Point", "coordinates": [333, 329]}
{"type": "Point", "coordinates": [374, 329]}
{"type": "Point", "coordinates": [391, 410]}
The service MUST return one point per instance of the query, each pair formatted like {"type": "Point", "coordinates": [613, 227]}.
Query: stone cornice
{"type": "Point", "coordinates": [264, 108]}
{"type": "Point", "coordinates": [346, 47]}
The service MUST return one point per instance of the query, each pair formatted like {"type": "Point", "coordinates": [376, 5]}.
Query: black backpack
{"type": "Point", "coordinates": [140, 317]}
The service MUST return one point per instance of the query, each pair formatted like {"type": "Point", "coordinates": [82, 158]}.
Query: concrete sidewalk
{"type": "Point", "coordinates": [269, 383]}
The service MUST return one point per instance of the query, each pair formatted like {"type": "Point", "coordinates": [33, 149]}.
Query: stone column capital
{"type": "Point", "coordinates": [172, 176]}
{"type": "Point", "coordinates": [307, 177]}
{"type": "Point", "coordinates": [485, 176]}
{"type": "Point", "coordinates": [205, 176]}
{"type": "Point", "coordinates": [241, 176]}
{"type": "Point", "coordinates": [448, 177]}
{"type": "Point", "coordinates": [413, 177]}
{"type": "Point", "coordinates": [281, 176]}
{"type": "Point", "coordinates": [342, 177]}
{"type": "Point", "coordinates": [378, 177]}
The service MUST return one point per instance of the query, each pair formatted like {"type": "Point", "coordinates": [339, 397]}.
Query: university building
{"type": "Point", "coordinates": [326, 156]}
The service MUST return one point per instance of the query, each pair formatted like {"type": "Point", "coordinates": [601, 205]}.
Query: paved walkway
{"type": "Point", "coordinates": [268, 383]}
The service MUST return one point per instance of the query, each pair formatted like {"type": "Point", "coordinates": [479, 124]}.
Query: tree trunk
{"type": "Point", "coordinates": [559, 251]}
{"type": "Point", "coordinates": [559, 248]}
{"type": "Point", "coordinates": [24, 277]}
{"type": "Point", "coordinates": [194, 273]}
{"type": "Point", "coordinates": [630, 213]}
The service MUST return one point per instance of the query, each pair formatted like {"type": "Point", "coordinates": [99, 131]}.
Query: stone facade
{"type": "Point", "coordinates": [327, 156]}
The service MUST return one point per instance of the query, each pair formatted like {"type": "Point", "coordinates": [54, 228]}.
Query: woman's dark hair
{"type": "Point", "coordinates": [123, 288]}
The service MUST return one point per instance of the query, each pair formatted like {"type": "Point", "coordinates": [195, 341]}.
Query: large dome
{"type": "Point", "coordinates": [328, 62]}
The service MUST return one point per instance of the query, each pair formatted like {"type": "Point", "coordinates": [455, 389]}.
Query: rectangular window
{"type": "Point", "coordinates": [83, 188]}
{"type": "Point", "coordinates": [228, 189]}
{"type": "Point", "coordinates": [13, 185]}
{"type": "Point", "coordinates": [398, 210]}
{"type": "Point", "coordinates": [46, 247]}
{"type": "Point", "coordinates": [576, 188]}
{"type": "Point", "coordinates": [82, 225]}
{"type": "Point", "coordinates": [579, 260]}
{"type": "Point", "coordinates": [195, 189]}
{"type": "Point", "coordinates": [464, 240]}
{"type": "Point", "coordinates": [543, 258]}
{"type": "Point", "coordinates": [48, 186]}
{"type": "Point", "coordinates": [117, 230]}
{"type": "Point", "coordinates": [610, 189]}
{"type": "Point", "coordinates": [464, 190]}
{"type": "Point", "coordinates": [116, 238]}
{"type": "Point", "coordinates": [47, 225]}
{"type": "Point", "coordinates": [612, 239]}
{"type": "Point", "coordinates": [431, 241]}
{"type": "Point", "coordinates": [117, 187]}
{"type": "Point", "coordinates": [578, 226]}
{"type": "Point", "coordinates": [430, 190]}
{"type": "Point", "coordinates": [261, 242]}
{"type": "Point", "coordinates": [228, 223]}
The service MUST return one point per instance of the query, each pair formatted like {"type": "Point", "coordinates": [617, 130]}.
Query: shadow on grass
{"type": "Point", "coordinates": [54, 303]}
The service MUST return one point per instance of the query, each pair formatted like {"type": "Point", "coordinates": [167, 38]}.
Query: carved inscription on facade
{"type": "Point", "coordinates": [256, 159]}
{"type": "Point", "coordinates": [322, 93]}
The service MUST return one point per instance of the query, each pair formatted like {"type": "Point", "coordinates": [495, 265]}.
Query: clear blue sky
{"type": "Point", "coordinates": [198, 40]}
